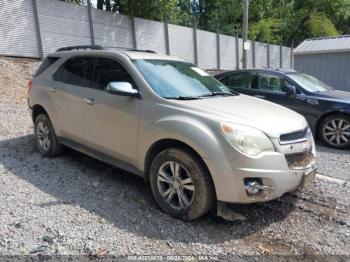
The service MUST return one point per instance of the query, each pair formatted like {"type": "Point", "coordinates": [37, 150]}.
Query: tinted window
{"type": "Point", "coordinates": [108, 70]}
{"type": "Point", "coordinates": [46, 63]}
{"type": "Point", "coordinates": [76, 71]}
{"type": "Point", "coordinates": [243, 80]}
{"type": "Point", "coordinates": [272, 83]}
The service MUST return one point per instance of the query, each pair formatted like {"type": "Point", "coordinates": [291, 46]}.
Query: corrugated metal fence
{"type": "Point", "coordinates": [34, 28]}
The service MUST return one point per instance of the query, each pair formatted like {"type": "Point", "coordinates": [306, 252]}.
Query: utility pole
{"type": "Point", "coordinates": [246, 46]}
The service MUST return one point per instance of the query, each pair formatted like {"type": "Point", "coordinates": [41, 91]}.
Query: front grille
{"type": "Point", "coordinates": [294, 136]}
{"type": "Point", "coordinates": [300, 160]}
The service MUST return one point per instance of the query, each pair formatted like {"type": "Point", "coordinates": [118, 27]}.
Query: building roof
{"type": "Point", "coordinates": [324, 45]}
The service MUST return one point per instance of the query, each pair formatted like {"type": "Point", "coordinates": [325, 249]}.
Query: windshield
{"type": "Point", "coordinates": [176, 80]}
{"type": "Point", "coordinates": [310, 83]}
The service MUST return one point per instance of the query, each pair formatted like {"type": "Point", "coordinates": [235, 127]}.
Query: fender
{"type": "Point", "coordinates": [41, 98]}
{"type": "Point", "coordinates": [194, 133]}
{"type": "Point", "coordinates": [345, 110]}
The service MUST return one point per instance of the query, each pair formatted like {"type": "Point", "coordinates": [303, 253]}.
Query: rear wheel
{"type": "Point", "coordinates": [181, 184]}
{"type": "Point", "coordinates": [335, 131]}
{"type": "Point", "coordinates": [45, 137]}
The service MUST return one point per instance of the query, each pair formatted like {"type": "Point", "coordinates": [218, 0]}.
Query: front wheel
{"type": "Point", "coordinates": [335, 131]}
{"type": "Point", "coordinates": [181, 184]}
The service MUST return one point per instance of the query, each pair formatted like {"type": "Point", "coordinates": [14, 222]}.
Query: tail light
{"type": "Point", "coordinates": [30, 84]}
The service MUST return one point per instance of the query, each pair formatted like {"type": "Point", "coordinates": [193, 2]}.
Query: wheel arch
{"type": "Point", "coordinates": [37, 110]}
{"type": "Point", "coordinates": [327, 114]}
{"type": "Point", "coordinates": [163, 144]}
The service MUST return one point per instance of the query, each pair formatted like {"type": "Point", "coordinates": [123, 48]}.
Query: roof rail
{"type": "Point", "coordinates": [129, 49]}
{"type": "Point", "coordinates": [98, 47]}
{"type": "Point", "coordinates": [78, 47]}
{"type": "Point", "coordinates": [141, 50]}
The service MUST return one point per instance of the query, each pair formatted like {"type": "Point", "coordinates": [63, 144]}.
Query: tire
{"type": "Point", "coordinates": [195, 186]}
{"type": "Point", "coordinates": [45, 137]}
{"type": "Point", "coordinates": [334, 131]}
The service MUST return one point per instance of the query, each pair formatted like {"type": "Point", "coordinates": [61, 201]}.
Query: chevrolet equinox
{"type": "Point", "coordinates": [194, 141]}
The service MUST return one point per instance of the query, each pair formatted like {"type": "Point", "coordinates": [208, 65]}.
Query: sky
{"type": "Point", "coordinates": [94, 3]}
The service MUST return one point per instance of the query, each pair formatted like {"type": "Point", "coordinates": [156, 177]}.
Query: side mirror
{"type": "Point", "coordinates": [122, 89]}
{"type": "Point", "coordinates": [291, 90]}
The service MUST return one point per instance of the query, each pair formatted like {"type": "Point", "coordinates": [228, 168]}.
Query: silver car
{"type": "Point", "coordinates": [195, 142]}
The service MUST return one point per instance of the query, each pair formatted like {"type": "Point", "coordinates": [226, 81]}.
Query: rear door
{"type": "Point", "coordinates": [111, 121]}
{"type": "Point", "coordinates": [242, 82]}
{"type": "Point", "coordinates": [68, 90]}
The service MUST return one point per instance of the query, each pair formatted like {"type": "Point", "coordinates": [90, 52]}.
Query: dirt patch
{"type": "Point", "coordinates": [14, 76]}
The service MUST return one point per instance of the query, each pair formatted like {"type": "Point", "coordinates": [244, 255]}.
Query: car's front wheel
{"type": "Point", "coordinates": [45, 137]}
{"type": "Point", "coordinates": [335, 131]}
{"type": "Point", "coordinates": [181, 184]}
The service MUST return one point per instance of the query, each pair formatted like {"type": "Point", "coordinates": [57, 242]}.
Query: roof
{"type": "Point", "coordinates": [264, 70]}
{"type": "Point", "coordinates": [324, 45]}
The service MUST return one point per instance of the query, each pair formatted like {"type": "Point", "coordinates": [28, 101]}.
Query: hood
{"type": "Point", "coordinates": [268, 117]}
{"type": "Point", "coordinates": [341, 96]}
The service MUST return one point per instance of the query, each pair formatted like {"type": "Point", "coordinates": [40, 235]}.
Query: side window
{"type": "Point", "coordinates": [287, 82]}
{"type": "Point", "coordinates": [75, 71]}
{"type": "Point", "coordinates": [272, 83]}
{"type": "Point", "coordinates": [242, 80]}
{"type": "Point", "coordinates": [108, 70]}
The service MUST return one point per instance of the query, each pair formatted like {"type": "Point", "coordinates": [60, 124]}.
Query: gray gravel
{"type": "Point", "coordinates": [74, 204]}
{"type": "Point", "coordinates": [333, 163]}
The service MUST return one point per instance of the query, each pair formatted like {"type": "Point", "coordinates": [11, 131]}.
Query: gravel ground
{"type": "Point", "coordinates": [74, 204]}
{"type": "Point", "coordinates": [333, 163]}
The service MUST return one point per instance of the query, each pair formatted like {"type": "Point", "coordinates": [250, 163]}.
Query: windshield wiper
{"type": "Point", "coordinates": [216, 93]}
{"type": "Point", "coordinates": [184, 97]}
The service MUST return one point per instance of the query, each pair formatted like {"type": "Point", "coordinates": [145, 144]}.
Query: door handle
{"type": "Point", "coordinates": [53, 89]}
{"type": "Point", "coordinates": [260, 96]}
{"type": "Point", "coordinates": [89, 101]}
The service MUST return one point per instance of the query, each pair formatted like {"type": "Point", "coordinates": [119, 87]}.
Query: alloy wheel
{"type": "Point", "coordinates": [175, 185]}
{"type": "Point", "coordinates": [43, 136]}
{"type": "Point", "coordinates": [337, 132]}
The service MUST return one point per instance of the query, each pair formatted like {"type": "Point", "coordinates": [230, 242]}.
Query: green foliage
{"type": "Point", "coordinates": [266, 30]}
{"type": "Point", "coordinates": [269, 20]}
{"type": "Point", "coordinates": [320, 25]}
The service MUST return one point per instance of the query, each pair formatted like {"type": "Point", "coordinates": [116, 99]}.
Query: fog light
{"type": "Point", "coordinates": [252, 187]}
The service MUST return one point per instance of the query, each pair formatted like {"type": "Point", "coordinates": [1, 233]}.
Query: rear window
{"type": "Point", "coordinates": [46, 63]}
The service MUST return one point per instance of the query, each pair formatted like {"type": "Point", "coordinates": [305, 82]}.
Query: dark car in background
{"type": "Point", "coordinates": [326, 110]}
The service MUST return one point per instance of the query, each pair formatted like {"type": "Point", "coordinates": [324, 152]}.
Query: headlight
{"type": "Point", "coordinates": [249, 140]}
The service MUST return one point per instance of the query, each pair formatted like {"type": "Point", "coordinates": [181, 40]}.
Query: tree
{"type": "Point", "coordinates": [269, 20]}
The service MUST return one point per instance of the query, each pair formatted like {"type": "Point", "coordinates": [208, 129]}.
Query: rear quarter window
{"type": "Point", "coordinates": [75, 71]}
{"type": "Point", "coordinates": [48, 61]}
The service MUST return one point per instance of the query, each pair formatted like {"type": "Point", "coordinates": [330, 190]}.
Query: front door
{"type": "Point", "coordinates": [110, 121]}
{"type": "Point", "coordinates": [272, 87]}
